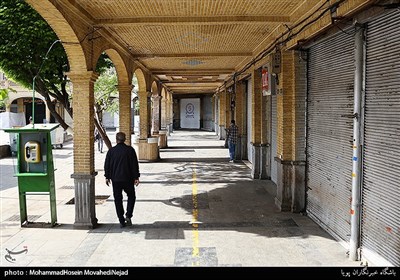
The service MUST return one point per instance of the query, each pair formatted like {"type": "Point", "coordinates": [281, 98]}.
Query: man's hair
{"type": "Point", "coordinates": [120, 137]}
{"type": "Point", "coordinates": [233, 121]}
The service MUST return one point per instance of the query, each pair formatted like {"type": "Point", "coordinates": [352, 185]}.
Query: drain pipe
{"type": "Point", "coordinates": [356, 173]}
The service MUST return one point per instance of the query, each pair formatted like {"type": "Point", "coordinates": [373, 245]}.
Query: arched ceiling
{"type": "Point", "coordinates": [193, 46]}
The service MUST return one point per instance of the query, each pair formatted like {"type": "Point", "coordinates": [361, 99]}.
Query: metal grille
{"type": "Point", "coordinates": [274, 136]}
{"type": "Point", "coordinates": [330, 131]}
{"type": "Point", "coordinates": [381, 186]}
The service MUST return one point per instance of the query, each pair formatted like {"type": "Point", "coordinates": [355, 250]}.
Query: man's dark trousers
{"type": "Point", "coordinates": [129, 189]}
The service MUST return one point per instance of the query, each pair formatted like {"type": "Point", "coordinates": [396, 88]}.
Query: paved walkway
{"type": "Point", "coordinates": [193, 208]}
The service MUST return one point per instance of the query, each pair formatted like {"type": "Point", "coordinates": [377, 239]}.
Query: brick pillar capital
{"type": "Point", "coordinates": [78, 77]}
{"type": "Point", "coordinates": [156, 97]}
{"type": "Point", "coordinates": [125, 88]}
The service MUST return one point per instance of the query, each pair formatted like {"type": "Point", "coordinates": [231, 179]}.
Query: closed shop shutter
{"type": "Point", "coordinates": [380, 235]}
{"type": "Point", "coordinates": [274, 137]}
{"type": "Point", "coordinates": [330, 133]}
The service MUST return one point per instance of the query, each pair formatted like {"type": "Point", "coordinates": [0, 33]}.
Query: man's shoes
{"type": "Point", "coordinates": [231, 161]}
{"type": "Point", "coordinates": [122, 225]}
{"type": "Point", "coordinates": [128, 221]}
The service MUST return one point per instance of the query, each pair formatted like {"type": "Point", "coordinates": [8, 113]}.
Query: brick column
{"type": "Point", "coordinates": [228, 110]}
{"type": "Point", "coordinates": [147, 146]}
{"type": "Point", "coordinates": [256, 121]}
{"type": "Point", "coordinates": [156, 99]}
{"type": "Point", "coordinates": [125, 118]}
{"type": "Point", "coordinates": [222, 115]}
{"type": "Point", "coordinates": [164, 116]}
{"type": "Point", "coordinates": [143, 112]}
{"type": "Point", "coordinates": [170, 113]}
{"type": "Point", "coordinates": [265, 153]}
{"type": "Point", "coordinates": [291, 126]}
{"type": "Point", "coordinates": [240, 118]}
{"type": "Point", "coordinates": [134, 100]}
{"type": "Point", "coordinates": [84, 172]}
{"type": "Point", "coordinates": [213, 112]}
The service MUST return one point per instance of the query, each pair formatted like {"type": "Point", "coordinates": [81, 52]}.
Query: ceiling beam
{"type": "Point", "coordinates": [193, 88]}
{"type": "Point", "coordinates": [192, 72]}
{"type": "Point", "coordinates": [206, 20]}
{"type": "Point", "coordinates": [185, 55]}
{"type": "Point", "coordinates": [210, 92]}
{"type": "Point", "coordinates": [192, 85]}
{"type": "Point", "coordinates": [191, 82]}
{"type": "Point", "coordinates": [78, 10]}
{"type": "Point", "coordinates": [73, 7]}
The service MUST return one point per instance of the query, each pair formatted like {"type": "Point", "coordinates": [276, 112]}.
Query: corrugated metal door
{"type": "Point", "coordinates": [330, 133]}
{"type": "Point", "coordinates": [381, 185]}
{"type": "Point", "coordinates": [249, 120]}
{"type": "Point", "coordinates": [274, 136]}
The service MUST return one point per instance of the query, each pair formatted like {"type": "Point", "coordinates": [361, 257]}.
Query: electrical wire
{"type": "Point", "coordinates": [281, 40]}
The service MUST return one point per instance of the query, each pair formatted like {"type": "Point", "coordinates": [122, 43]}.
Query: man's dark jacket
{"type": "Point", "coordinates": [121, 164]}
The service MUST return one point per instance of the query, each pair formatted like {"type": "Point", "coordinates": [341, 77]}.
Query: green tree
{"type": "Point", "coordinates": [106, 96]}
{"type": "Point", "coordinates": [3, 98]}
{"type": "Point", "coordinates": [25, 39]}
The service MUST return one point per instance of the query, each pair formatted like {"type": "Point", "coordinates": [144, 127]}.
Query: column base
{"type": "Point", "coordinates": [265, 170]}
{"type": "Point", "coordinates": [148, 150]}
{"type": "Point", "coordinates": [238, 150]}
{"type": "Point", "coordinates": [163, 139]}
{"type": "Point", "coordinates": [170, 129]}
{"type": "Point", "coordinates": [290, 194]}
{"type": "Point", "coordinates": [85, 210]}
{"type": "Point", "coordinates": [221, 132]}
{"type": "Point", "coordinates": [255, 172]}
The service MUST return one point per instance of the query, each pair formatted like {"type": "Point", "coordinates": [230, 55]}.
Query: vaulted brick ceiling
{"type": "Point", "coordinates": [192, 46]}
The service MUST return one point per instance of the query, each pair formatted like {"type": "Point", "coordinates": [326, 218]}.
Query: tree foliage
{"type": "Point", "coordinates": [25, 39]}
{"type": "Point", "coordinates": [106, 93]}
{"type": "Point", "coordinates": [3, 98]}
{"type": "Point", "coordinates": [106, 96]}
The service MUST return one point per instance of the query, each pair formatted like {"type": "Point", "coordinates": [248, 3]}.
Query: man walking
{"type": "Point", "coordinates": [122, 168]}
{"type": "Point", "coordinates": [233, 133]}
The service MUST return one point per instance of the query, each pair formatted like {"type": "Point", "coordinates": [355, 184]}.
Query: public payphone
{"type": "Point", "coordinates": [35, 167]}
{"type": "Point", "coordinates": [32, 151]}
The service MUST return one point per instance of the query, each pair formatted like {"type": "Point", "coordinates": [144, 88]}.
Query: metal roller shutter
{"type": "Point", "coordinates": [330, 132]}
{"type": "Point", "coordinates": [381, 186]}
{"type": "Point", "coordinates": [274, 136]}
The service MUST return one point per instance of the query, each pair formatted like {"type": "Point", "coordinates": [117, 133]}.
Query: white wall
{"type": "Point", "coordinates": [190, 113]}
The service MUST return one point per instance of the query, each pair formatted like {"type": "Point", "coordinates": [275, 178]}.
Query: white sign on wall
{"type": "Point", "coordinates": [190, 113]}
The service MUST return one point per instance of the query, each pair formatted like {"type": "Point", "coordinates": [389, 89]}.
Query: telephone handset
{"type": "Point", "coordinates": [32, 152]}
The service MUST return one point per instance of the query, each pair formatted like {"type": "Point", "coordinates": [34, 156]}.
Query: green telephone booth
{"type": "Point", "coordinates": [35, 167]}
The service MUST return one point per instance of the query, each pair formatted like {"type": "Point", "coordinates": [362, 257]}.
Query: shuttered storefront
{"type": "Point", "coordinates": [274, 140]}
{"type": "Point", "coordinates": [380, 226]}
{"type": "Point", "coordinates": [330, 132]}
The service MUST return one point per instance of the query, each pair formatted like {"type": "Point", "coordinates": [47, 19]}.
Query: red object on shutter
{"type": "Point", "coordinates": [265, 81]}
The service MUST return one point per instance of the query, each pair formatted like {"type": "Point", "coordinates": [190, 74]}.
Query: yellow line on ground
{"type": "Point", "coordinates": [195, 215]}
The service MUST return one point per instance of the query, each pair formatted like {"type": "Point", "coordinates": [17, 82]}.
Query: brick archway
{"type": "Point", "coordinates": [69, 39]}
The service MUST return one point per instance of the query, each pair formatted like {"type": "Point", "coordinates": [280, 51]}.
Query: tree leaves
{"type": "Point", "coordinates": [25, 38]}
